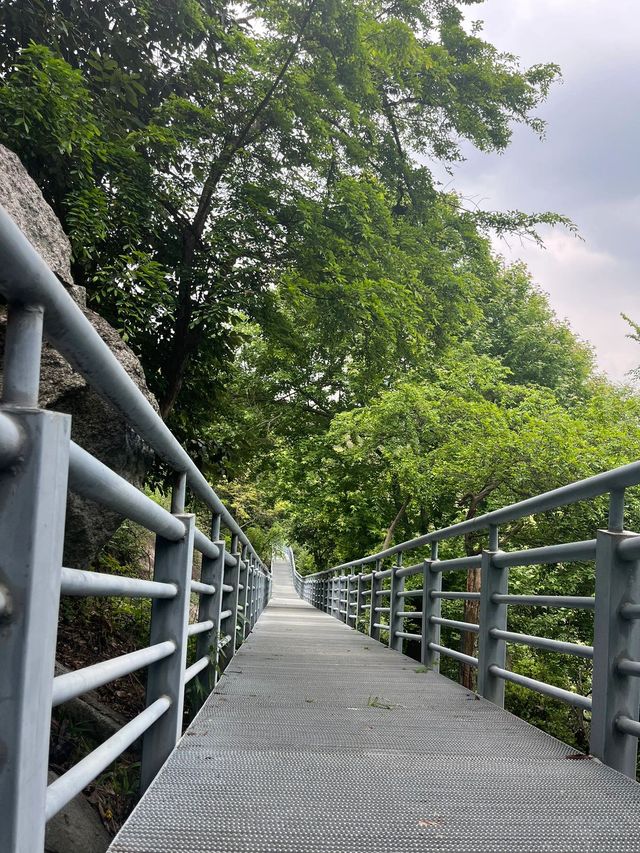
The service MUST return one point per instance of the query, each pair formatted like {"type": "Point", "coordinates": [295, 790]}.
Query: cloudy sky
{"type": "Point", "coordinates": [587, 168]}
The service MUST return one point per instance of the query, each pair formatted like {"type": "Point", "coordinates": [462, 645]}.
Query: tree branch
{"type": "Point", "coordinates": [391, 529]}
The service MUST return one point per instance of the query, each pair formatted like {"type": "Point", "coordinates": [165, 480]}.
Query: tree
{"type": "Point", "coordinates": [222, 131]}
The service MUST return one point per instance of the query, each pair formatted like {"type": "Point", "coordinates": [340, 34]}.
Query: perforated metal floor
{"type": "Point", "coordinates": [295, 751]}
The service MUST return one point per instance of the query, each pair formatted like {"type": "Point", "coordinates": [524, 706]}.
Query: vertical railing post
{"type": "Point", "coordinates": [179, 492]}
{"type": "Point", "coordinates": [257, 592]}
{"type": "Point", "coordinates": [242, 595]}
{"type": "Point", "coordinates": [229, 621]}
{"type": "Point", "coordinates": [615, 692]}
{"type": "Point", "coordinates": [431, 583]}
{"type": "Point", "coordinates": [257, 607]}
{"type": "Point", "coordinates": [491, 650]}
{"type": "Point", "coordinates": [359, 599]}
{"type": "Point", "coordinates": [33, 493]}
{"type": "Point", "coordinates": [22, 355]}
{"type": "Point", "coordinates": [342, 593]}
{"type": "Point", "coordinates": [347, 615]}
{"type": "Point", "coordinates": [396, 605]}
{"type": "Point", "coordinates": [210, 607]}
{"type": "Point", "coordinates": [255, 583]}
{"type": "Point", "coordinates": [33, 489]}
{"type": "Point", "coordinates": [169, 620]}
{"type": "Point", "coordinates": [376, 583]}
{"type": "Point", "coordinates": [247, 596]}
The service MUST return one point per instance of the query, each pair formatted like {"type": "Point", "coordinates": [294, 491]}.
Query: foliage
{"type": "Point", "coordinates": [202, 154]}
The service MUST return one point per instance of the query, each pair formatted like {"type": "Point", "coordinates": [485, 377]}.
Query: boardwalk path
{"type": "Point", "coordinates": [289, 755]}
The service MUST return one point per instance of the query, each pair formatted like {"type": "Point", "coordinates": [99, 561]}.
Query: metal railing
{"type": "Point", "coordinates": [364, 589]}
{"type": "Point", "coordinates": [38, 463]}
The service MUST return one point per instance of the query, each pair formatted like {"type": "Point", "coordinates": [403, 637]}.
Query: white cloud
{"type": "Point", "coordinates": [590, 289]}
{"type": "Point", "coordinates": [588, 167]}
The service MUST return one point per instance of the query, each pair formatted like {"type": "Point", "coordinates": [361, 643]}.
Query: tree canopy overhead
{"type": "Point", "coordinates": [191, 148]}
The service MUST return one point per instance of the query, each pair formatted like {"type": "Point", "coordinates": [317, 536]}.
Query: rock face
{"type": "Point", "coordinates": [96, 426]}
{"type": "Point", "coordinates": [21, 197]}
{"type": "Point", "coordinates": [77, 828]}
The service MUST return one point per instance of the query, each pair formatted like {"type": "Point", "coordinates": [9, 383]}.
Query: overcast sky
{"type": "Point", "coordinates": [588, 167]}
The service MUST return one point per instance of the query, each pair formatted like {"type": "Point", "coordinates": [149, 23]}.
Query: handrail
{"type": "Point", "coordinates": [616, 604]}
{"type": "Point", "coordinates": [39, 464]}
{"type": "Point", "coordinates": [591, 487]}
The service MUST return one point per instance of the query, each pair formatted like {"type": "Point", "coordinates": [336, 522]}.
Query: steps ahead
{"type": "Point", "coordinates": [320, 739]}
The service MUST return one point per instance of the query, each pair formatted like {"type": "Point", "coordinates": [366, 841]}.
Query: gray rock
{"type": "Point", "coordinates": [96, 426]}
{"type": "Point", "coordinates": [22, 198]}
{"type": "Point", "coordinates": [77, 828]}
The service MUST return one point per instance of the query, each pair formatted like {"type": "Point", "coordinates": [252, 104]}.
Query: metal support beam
{"type": "Point", "coordinates": [22, 351]}
{"type": "Point", "coordinates": [615, 693]}
{"type": "Point", "coordinates": [431, 582]}
{"type": "Point", "coordinates": [243, 597]}
{"type": "Point", "coordinates": [396, 605]}
{"type": "Point", "coordinates": [348, 605]}
{"type": "Point", "coordinates": [491, 650]}
{"type": "Point", "coordinates": [251, 597]}
{"type": "Point", "coordinates": [230, 605]}
{"type": "Point", "coordinates": [343, 598]}
{"type": "Point", "coordinates": [179, 492]}
{"type": "Point", "coordinates": [359, 602]}
{"type": "Point", "coordinates": [209, 610]}
{"type": "Point", "coordinates": [376, 583]}
{"type": "Point", "coordinates": [33, 494]}
{"type": "Point", "coordinates": [169, 620]}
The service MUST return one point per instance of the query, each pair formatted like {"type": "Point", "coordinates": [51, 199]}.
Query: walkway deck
{"type": "Point", "coordinates": [289, 755]}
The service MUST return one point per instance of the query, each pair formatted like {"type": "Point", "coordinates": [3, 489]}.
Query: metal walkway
{"type": "Point", "coordinates": [320, 739]}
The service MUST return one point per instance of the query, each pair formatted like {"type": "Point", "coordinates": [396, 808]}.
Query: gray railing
{"type": "Point", "coordinates": [38, 462]}
{"type": "Point", "coordinates": [364, 589]}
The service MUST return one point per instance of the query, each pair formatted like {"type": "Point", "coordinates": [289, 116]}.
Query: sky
{"type": "Point", "coordinates": [588, 167]}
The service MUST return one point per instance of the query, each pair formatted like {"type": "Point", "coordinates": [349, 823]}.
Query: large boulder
{"type": "Point", "coordinates": [96, 426]}
{"type": "Point", "coordinates": [76, 828]}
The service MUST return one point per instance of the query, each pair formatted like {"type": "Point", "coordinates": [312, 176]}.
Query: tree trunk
{"type": "Point", "coordinates": [469, 644]}
{"type": "Point", "coordinates": [469, 641]}
{"type": "Point", "coordinates": [183, 348]}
